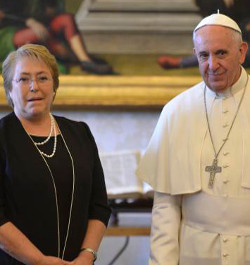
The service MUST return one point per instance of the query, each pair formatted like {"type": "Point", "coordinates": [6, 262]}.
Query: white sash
{"type": "Point", "coordinates": [222, 215]}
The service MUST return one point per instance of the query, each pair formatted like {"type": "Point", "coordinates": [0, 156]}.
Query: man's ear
{"type": "Point", "coordinates": [243, 51]}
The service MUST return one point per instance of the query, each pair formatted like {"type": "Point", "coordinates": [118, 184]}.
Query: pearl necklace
{"type": "Point", "coordinates": [56, 196]}
{"type": "Point", "coordinates": [52, 128]}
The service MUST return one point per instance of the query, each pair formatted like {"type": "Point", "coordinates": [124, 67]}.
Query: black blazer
{"type": "Point", "coordinates": [27, 196]}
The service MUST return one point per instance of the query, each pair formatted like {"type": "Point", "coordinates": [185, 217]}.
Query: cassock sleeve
{"type": "Point", "coordinates": [99, 208]}
{"type": "Point", "coordinates": [166, 216]}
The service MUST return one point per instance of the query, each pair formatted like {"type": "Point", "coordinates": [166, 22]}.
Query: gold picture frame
{"type": "Point", "coordinates": [119, 92]}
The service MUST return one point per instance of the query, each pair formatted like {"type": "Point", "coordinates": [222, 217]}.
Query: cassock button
{"type": "Point", "coordinates": [225, 166]}
{"type": "Point", "coordinates": [225, 255]}
{"type": "Point", "coordinates": [225, 111]}
{"type": "Point", "coordinates": [225, 239]}
{"type": "Point", "coordinates": [225, 181]}
{"type": "Point", "coordinates": [225, 153]}
{"type": "Point", "coordinates": [225, 125]}
{"type": "Point", "coordinates": [225, 195]}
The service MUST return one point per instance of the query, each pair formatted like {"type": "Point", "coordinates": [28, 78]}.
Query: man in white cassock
{"type": "Point", "coordinates": [198, 159]}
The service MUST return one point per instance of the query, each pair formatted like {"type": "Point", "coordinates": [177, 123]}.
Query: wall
{"type": "Point", "coordinates": [115, 131]}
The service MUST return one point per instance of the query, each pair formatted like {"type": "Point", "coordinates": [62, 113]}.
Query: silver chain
{"type": "Point", "coordinates": [208, 124]}
{"type": "Point", "coordinates": [56, 196]}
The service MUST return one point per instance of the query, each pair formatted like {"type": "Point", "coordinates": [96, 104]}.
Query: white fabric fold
{"type": "Point", "coordinates": [172, 161]}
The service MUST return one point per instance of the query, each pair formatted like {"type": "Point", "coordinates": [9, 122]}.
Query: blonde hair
{"type": "Point", "coordinates": [34, 51]}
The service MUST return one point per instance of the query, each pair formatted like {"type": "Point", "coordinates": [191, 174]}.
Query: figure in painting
{"type": "Point", "coordinates": [45, 22]}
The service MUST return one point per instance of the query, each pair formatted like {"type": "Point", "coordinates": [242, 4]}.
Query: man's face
{"type": "Point", "coordinates": [220, 54]}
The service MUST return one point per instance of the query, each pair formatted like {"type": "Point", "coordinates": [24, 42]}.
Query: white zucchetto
{"type": "Point", "coordinates": [220, 20]}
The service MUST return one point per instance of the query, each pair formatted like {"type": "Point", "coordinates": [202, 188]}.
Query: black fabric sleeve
{"type": "Point", "coordinates": [3, 217]}
{"type": "Point", "coordinates": [99, 208]}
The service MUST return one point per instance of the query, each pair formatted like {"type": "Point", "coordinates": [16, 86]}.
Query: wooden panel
{"type": "Point", "coordinates": [127, 231]}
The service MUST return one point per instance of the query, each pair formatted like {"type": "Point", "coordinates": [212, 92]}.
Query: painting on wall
{"type": "Point", "coordinates": [151, 37]}
{"type": "Point", "coordinates": [100, 43]}
{"type": "Point", "coordinates": [47, 22]}
{"type": "Point", "coordinates": [114, 37]}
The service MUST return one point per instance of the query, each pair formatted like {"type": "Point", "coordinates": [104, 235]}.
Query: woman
{"type": "Point", "coordinates": [44, 22]}
{"type": "Point", "coordinates": [53, 202]}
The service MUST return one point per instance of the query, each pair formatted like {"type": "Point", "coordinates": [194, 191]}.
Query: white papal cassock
{"type": "Point", "coordinates": [192, 224]}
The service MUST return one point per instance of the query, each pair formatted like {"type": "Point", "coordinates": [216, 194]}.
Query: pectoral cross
{"type": "Point", "coordinates": [213, 170]}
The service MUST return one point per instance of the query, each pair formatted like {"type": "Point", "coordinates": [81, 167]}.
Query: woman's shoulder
{"type": "Point", "coordinates": [9, 118]}
{"type": "Point", "coordinates": [8, 126]}
{"type": "Point", "coordinates": [79, 127]}
{"type": "Point", "coordinates": [69, 122]}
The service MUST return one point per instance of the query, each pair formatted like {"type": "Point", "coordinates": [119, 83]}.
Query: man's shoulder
{"type": "Point", "coordinates": [187, 100]}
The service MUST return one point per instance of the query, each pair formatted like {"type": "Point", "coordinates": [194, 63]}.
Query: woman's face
{"type": "Point", "coordinates": [32, 88]}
